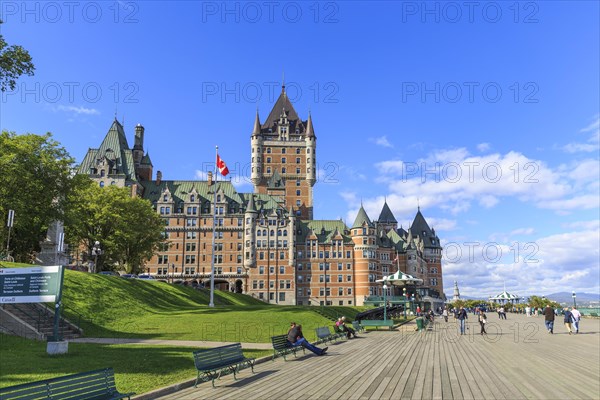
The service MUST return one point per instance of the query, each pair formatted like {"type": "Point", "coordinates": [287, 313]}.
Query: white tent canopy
{"type": "Point", "coordinates": [400, 279]}
{"type": "Point", "coordinates": [505, 297]}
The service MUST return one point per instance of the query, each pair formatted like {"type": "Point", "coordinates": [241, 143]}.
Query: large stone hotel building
{"type": "Point", "coordinates": [267, 243]}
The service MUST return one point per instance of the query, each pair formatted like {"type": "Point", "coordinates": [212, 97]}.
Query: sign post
{"type": "Point", "coordinates": [35, 285]}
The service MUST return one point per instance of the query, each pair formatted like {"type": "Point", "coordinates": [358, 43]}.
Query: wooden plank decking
{"type": "Point", "coordinates": [517, 360]}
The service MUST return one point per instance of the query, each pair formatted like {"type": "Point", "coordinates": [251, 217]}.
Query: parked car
{"type": "Point", "coordinates": [129, 276]}
{"type": "Point", "coordinates": [111, 273]}
{"type": "Point", "coordinates": [145, 276]}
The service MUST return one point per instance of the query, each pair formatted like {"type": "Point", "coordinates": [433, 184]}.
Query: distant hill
{"type": "Point", "coordinates": [567, 297]}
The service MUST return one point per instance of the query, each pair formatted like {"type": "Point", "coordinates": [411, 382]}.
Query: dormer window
{"type": "Point", "coordinates": [165, 197]}
{"type": "Point", "coordinates": [192, 198]}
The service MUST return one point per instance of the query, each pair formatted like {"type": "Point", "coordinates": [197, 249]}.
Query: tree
{"type": "Point", "coordinates": [14, 62]}
{"type": "Point", "coordinates": [128, 229]}
{"type": "Point", "coordinates": [34, 179]}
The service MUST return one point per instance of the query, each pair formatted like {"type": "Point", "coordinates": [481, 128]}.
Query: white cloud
{"type": "Point", "coordinates": [381, 141]}
{"type": "Point", "coordinates": [594, 126]}
{"type": "Point", "coordinates": [483, 147]}
{"type": "Point", "coordinates": [593, 142]}
{"type": "Point", "coordinates": [548, 264]}
{"type": "Point", "coordinates": [585, 225]}
{"type": "Point", "coordinates": [522, 231]}
{"type": "Point", "coordinates": [77, 110]}
{"type": "Point", "coordinates": [453, 179]}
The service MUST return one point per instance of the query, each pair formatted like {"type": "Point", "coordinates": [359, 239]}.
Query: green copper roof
{"type": "Point", "coordinates": [116, 150]}
{"type": "Point", "coordinates": [361, 218]}
{"type": "Point", "coordinates": [180, 191]}
{"type": "Point", "coordinates": [325, 230]}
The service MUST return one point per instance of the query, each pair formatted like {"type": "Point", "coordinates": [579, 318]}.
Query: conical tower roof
{"type": "Point", "coordinates": [309, 127]}
{"type": "Point", "coordinates": [283, 104]}
{"type": "Point", "coordinates": [251, 208]}
{"type": "Point", "coordinates": [256, 130]}
{"type": "Point", "coordinates": [361, 218]}
{"type": "Point", "coordinates": [386, 216]}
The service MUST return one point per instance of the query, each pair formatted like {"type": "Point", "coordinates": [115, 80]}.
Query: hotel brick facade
{"type": "Point", "coordinates": [266, 244]}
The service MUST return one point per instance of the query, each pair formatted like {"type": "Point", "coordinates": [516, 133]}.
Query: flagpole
{"type": "Point", "coordinates": [212, 260]}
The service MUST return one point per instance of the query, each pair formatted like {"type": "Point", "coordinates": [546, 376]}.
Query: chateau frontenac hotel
{"type": "Point", "coordinates": [267, 243]}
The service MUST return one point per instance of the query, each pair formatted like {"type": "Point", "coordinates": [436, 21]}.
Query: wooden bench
{"type": "Point", "coordinates": [324, 335]}
{"type": "Point", "coordinates": [282, 347]}
{"type": "Point", "coordinates": [357, 326]}
{"type": "Point", "coordinates": [342, 334]}
{"type": "Point", "coordinates": [377, 323]}
{"type": "Point", "coordinates": [212, 363]}
{"type": "Point", "coordinates": [98, 384]}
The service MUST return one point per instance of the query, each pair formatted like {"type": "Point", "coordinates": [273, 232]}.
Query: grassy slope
{"type": "Point", "coordinates": [115, 307]}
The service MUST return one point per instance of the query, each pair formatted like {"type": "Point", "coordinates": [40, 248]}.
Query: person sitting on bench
{"type": "Point", "coordinates": [341, 324]}
{"type": "Point", "coordinates": [296, 338]}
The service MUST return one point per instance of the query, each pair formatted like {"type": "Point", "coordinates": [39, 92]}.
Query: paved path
{"type": "Point", "coordinates": [518, 359]}
{"type": "Point", "coordinates": [184, 343]}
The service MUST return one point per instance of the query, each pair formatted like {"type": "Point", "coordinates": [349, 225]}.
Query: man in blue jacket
{"type": "Point", "coordinates": [462, 318]}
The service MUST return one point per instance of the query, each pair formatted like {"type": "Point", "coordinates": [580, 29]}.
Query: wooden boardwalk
{"type": "Point", "coordinates": [518, 359]}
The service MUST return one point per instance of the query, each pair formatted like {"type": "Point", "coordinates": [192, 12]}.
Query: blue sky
{"type": "Point", "coordinates": [485, 115]}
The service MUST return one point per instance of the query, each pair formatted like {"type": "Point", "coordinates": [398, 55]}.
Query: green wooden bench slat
{"type": "Point", "coordinates": [91, 385]}
{"type": "Point", "coordinates": [212, 363]}
{"type": "Point", "coordinates": [377, 323]}
{"type": "Point", "coordinates": [357, 326]}
{"type": "Point", "coordinates": [324, 334]}
{"type": "Point", "coordinates": [26, 391]}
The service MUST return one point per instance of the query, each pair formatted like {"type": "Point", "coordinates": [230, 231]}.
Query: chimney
{"type": "Point", "coordinates": [158, 177]}
{"type": "Point", "coordinates": [209, 178]}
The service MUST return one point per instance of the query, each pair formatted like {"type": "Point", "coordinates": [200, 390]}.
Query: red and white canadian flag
{"type": "Point", "coordinates": [222, 166]}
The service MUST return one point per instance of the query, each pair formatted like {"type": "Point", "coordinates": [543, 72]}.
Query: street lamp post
{"type": "Point", "coordinates": [385, 300]}
{"type": "Point", "coordinates": [96, 251]}
{"type": "Point", "coordinates": [574, 302]}
{"type": "Point", "coordinates": [172, 272]}
{"type": "Point", "coordinates": [406, 303]}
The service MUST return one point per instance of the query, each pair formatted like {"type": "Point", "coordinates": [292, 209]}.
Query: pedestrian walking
{"type": "Point", "coordinates": [576, 315]}
{"type": "Point", "coordinates": [445, 314]}
{"type": "Point", "coordinates": [568, 319]}
{"type": "Point", "coordinates": [549, 319]}
{"type": "Point", "coordinates": [482, 322]}
{"type": "Point", "coordinates": [462, 319]}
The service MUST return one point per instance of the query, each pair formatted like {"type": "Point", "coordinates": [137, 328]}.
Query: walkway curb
{"type": "Point", "coordinates": [182, 385]}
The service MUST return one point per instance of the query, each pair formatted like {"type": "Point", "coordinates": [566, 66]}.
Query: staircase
{"type": "Point", "coordinates": [34, 321]}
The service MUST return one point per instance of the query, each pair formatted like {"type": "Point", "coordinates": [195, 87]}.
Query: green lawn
{"type": "Point", "coordinates": [107, 306]}
{"type": "Point", "coordinates": [138, 368]}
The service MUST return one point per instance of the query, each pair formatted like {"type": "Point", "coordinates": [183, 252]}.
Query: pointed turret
{"type": "Point", "coordinates": [309, 127]}
{"type": "Point", "coordinates": [421, 229]}
{"type": "Point", "coordinates": [256, 130]}
{"type": "Point", "coordinates": [361, 219]}
{"type": "Point", "coordinates": [386, 216]}
{"type": "Point", "coordinates": [251, 208]}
